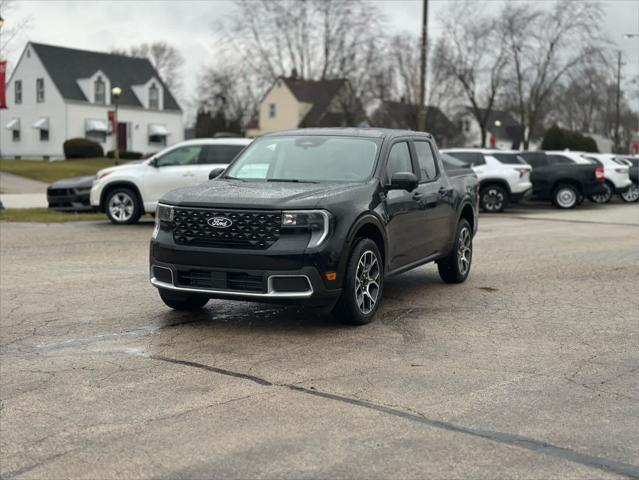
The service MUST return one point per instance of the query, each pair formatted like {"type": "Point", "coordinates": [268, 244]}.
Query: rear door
{"type": "Point", "coordinates": [437, 198]}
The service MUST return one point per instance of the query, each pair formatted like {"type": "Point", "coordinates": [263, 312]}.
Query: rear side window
{"type": "Point", "coordinates": [426, 159]}
{"type": "Point", "coordinates": [399, 159]}
{"type": "Point", "coordinates": [559, 159]}
{"type": "Point", "coordinates": [212, 154]}
{"type": "Point", "coordinates": [509, 158]}
{"type": "Point", "coordinates": [536, 159]}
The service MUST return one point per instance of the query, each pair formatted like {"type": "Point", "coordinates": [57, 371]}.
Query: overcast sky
{"type": "Point", "coordinates": [190, 26]}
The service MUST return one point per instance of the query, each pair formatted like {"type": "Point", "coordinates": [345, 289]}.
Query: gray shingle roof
{"type": "Point", "coordinates": [67, 65]}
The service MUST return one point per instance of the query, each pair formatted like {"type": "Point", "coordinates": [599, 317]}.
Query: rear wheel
{"type": "Point", "coordinates": [603, 197]}
{"type": "Point", "coordinates": [456, 266]}
{"type": "Point", "coordinates": [122, 206]}
{"type": "Point", "coordinates": [632, 194]}
{"type": "Point", "coordinates": [493, 198]}
{"type": "Point", "coordinates": [182, 301]}
{"type": "Point", "coordinates": [565, 196]}
{"type": "Point", "coordinates": [363, 285]}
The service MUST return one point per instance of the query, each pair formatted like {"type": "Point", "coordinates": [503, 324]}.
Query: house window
{"type": "Point", "coordinates": [154, 97]}
{"type": "Point", "coordinates": [271, 110]}
{"type": "Point", "coordinates": [99, 91]}
{"type": "Point", "coordinates": [96, 130]}
{"type": "Point", "coordinates": [158, 134]}
{"type": "Point", "coordinates": [17, 91]}
{"type": "Point", "coordinates": [40, 90]}
{"type": "Point", "coordinates": [16, 135]}
{"type": "Point", "coordinates": [44, 135]}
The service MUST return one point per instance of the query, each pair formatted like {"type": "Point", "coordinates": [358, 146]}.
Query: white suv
{"type": "Point", "coordinates": [126, 192]}
{"type": "Point", "coordinates": [504, 177]}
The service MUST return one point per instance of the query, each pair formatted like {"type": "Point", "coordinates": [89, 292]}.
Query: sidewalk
{"type": "Point", "coordinates": [24, 200]}
{"type": "Point", "coordinates": [21, 192]}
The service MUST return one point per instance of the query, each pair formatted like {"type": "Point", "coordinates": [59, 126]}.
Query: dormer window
{"type": "Point", "coordinates": [99, 90]}
{"type": "Point", "coordinates": [154, 97]}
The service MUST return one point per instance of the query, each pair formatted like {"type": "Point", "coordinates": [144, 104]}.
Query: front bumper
{"type": "Point", "coordinates": [69, 200]}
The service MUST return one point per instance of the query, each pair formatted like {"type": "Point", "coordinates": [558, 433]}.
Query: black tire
{"type": "Point", "coordinates": [493, 198]}
{"type": "Point", "coordinates": [603, 197]}
{"type": "Point", "coordinates": [565, 196]}
{"type": "Point", "coordinates": [352, 308]}
{"type": "Point", "coordinates": [122, 206]}
{"type": "Point", "coordinates": [632, 194]}
{"type": "Point", "coordinates": [182, 301]}
{"type": "Point", "coordinates": [455, 268]}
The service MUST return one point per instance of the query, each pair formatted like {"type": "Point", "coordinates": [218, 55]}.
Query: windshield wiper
{"type": "Point", "coordinates": [290, 180]}
{"type": "Point", "coordinates": [234, 178]}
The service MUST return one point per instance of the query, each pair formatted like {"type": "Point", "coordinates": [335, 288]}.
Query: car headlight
{"type": "Point", "coordinates": [101, 175]}
{"type": "Point", "coordinates": [317, 221]}
{"type": "Point", "coordinates": [163, 214]}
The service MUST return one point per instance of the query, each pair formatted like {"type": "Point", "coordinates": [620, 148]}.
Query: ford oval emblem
{"type": "Point", "coordinates": [220, 222]}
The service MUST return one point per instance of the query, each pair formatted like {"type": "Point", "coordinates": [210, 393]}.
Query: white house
{"type": "Point", "coordinates": [57, 93]}
{"type": "Point", "coordinates": [502, 131]}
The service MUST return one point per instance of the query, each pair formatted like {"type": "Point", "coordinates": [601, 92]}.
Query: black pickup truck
{"type": "Point", "coordinates": [564, 183]}
{"type": "Point", "coordinates": [315, 216]}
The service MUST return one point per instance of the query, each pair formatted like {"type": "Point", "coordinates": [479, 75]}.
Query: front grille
{"type": "Point", "coordinates": [59, 192]}
{"type": "Point", "coordinates": [249, 229]}
{"type": "Point", "coordinates": [221, 280]}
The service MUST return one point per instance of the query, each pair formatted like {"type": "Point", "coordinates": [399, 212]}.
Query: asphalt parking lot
{"type": "Point", "coordinates": [528, 370]}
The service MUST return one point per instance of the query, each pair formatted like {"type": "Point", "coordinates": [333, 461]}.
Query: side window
{"type": "Point", "coordinates": [39, 90]}
{"type": "Point", "coordinates": [17, 91]}
{"type": "Point", "coordinates": [180, 156]}
{"type": "Point", "coordinates": [471, 158]}
{"type": "Point", "coordinates": [399, 159]}
{"type": "Point", "coordinates": [559, 159]}
{"type": "Point", "coordinates": [427, 164]}
{"type": "Point", "coordinates": [478, 159]}
{"type": "Point", "coordinates": [215, 154]}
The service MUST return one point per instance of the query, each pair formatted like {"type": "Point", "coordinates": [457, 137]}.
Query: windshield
{"type": "Point", "coordinates": [307, 159]}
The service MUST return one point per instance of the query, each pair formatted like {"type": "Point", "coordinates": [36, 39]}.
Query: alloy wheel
{"type": "Point", "coordinates": [367, 278]}
{"type": "Point", "coordinates": [493, 200]}
{"type": "Point", "coordinates": [464, 250]}
{"type": "Point", "coordinates": [632, 194]}
{"type": "Point", "coordinates": [121, 207]}
{"type": "Point", "coordinates": [603, 197]}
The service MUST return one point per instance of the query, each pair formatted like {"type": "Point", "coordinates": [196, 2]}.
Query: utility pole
{"type": "Point", "coordinates": [617, 113]}
{"type": "Point", "coordinates": [421, 116]}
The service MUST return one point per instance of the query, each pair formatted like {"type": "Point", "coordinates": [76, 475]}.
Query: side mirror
{"type": "Point", "coordinates": [216, 172]}
{"type": "Point", "coordinates": [403, 181]}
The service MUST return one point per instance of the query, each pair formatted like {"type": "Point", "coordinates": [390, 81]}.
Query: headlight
{"type": "Point", "coordinates": [317, 221]}
{"type": "Point", "coordinates": [163, 213]}
{"type": "Point", "coordinates": [103, 174]}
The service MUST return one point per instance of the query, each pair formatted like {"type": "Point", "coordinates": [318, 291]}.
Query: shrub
{"type": "Point", "coordinates": [553, 139]}
{"type": "Point", "coordinates": [557, 138]}
{"type": "Point", "coordinates": [125, 155]}
{"type": "Point", "coordinates": [82, 148]}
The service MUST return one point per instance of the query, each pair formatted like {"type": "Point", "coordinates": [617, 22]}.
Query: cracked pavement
{"type": "Point", "coordinates": [528, 370]}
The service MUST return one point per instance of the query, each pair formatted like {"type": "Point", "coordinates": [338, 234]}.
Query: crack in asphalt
{"type": "Point", "coordinates": [510, 439]}
{"type": "Point", "coordinates": [540, 219]}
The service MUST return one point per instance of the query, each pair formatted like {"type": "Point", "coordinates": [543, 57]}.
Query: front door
{"type": "Point", "coordinates": [122, 137]}
{"type": "Point", "coordinates": [405, 212]}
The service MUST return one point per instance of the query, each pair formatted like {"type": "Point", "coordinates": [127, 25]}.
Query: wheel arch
{"type": "Point", "coordinates": [369, 226]}
{"type": "Point", "coordinates": [568, 181]}
{"type": "Point", "coordinates": [495, 181]}
{"type": "Point", "coordinates": [120, 184]}
{"type": "Point", "coordinates": [467, 213]}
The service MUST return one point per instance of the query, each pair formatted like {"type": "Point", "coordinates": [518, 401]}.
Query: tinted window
{"type": "Point", "coordinates": [307, 158]}
{"type": "Point", "coordinates": [472, 158]}
{"type": "Point", "coordinates": [452, 163]}
{"type": "Point", "coordinates": [219, 153]}
{"type": "Point", "coordinates": [536, 159]}
{"type": "Point", "coordinates": [509, 158]}
{"type": "Point", "coordinates": [559, 159]}
{"type": "Point", "coordinates": [426, 159]}
{"type": "Point", "coordinates": [399, 159]}
{"type": "Point", "coordinates": [180, 156]}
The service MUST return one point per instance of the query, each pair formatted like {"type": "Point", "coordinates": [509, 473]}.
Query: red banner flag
{"type": "Point", "coordinates": [111, 121]}
{"type": "Point", "coordinates": [3, 90]}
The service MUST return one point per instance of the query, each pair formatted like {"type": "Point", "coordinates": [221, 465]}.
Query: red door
{"type": "Point", "coordinates": [122, 136]}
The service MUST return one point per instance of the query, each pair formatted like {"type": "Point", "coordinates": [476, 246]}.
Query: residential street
{"type": "Point", "coordinates": [527, 370]}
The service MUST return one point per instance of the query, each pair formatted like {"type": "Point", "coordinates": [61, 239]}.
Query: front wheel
{"type": "Point", "coordinates": [603, 197]}
{"type": "Point", "coordinates": [565, 196]}
{"type": "Point", "coordinates": [363, 285]}
{"type": "Point", "coordinates": [632, 194]}
{"type": "Point", "coordinates": [493, 199]}
{"type": "Point", "coordinates": [182, 301]}
{"type": "Point", "coordinates": [456, 266]}
{"type": "Point", "coordinates": [122, 206]}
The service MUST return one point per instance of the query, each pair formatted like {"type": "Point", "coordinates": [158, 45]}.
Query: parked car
{"type": "Point", "coordinates": [126, 192]}
{"type": "Point", "coordinates": [616, 173]}
{"type": "Point", "coordinates": [632, 194]}
{"type": "Point", "coordinates": [565, 183]}
{"type": "Point", "coordinates": [503, 178]}
{"type": "Point", "coordinates": [319, 217]}
{"type": "Point", "coordinates": [71, 194]}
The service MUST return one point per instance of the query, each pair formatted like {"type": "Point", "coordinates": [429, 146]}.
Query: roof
{"type": "Point", "coordinates": [320, 94]}
{"type": "Point", "coordinates": [67, 65]}
{"type": "Point", "coordinates": [350, 132]}
{"type": "Point", "coordinates": [405, 115]}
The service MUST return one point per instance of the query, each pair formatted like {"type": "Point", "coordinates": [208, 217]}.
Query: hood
{"type": "Point", "coordinates": [75, 182]}
{"type": "Point", "coordinates": [120, 168]}
{"type": "Point", "coordinates": [262, 195]}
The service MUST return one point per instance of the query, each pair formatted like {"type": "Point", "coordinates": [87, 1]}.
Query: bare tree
{"type": "Point", "coordinates": [166, 59]}
{"type": "Point", "coordinates": [13, 28]}
{"type": "Point", "coordinates": [472, 54]}
{"type": "Point", "coordinates": [544, 46]}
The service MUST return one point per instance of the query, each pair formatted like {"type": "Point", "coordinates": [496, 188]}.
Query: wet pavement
{"type": "Point", "coordinates": [528, 370]}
